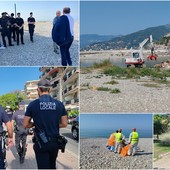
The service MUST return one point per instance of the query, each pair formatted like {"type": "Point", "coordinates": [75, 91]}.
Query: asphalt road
{"type": "Point", "coordinates": [72, 145]}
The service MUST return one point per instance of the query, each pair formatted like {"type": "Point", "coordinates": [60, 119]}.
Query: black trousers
{"type": "Point", "coordinates": [31, 31]}
{"type": "Point", "coordinates": [20, 142]}
{"type": "Point", "coordinates": [13, 32]}
{"type": "Point", "coordinates": [65, 54]}
{"type": "Point", "coordinates": [20, 33]}
{"type": "Point", "coordinates": [5, 33]}
{"type": "Point", "coordinates": [47, 155]}
{"type": "Point", "coordinates": [2, 163]}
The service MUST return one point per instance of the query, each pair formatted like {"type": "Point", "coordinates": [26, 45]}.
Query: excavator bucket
{"type": "Point", "coordinates": [152, 57]}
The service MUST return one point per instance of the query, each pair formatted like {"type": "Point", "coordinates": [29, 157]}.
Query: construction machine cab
{"type": "Point", "coordinates": [135, 55]}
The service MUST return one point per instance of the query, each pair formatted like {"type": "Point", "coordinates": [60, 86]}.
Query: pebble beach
{"type": "Point", "coordinates": [95, 155]}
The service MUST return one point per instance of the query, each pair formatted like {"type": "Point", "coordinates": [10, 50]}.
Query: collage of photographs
{"type": "Point", "coordinates": [84, 84]}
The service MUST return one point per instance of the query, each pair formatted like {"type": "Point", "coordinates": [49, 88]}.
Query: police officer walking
{"type": "Point", "coordinates": [20, 132]}
{"type": "Point", "coordinates": [31, 26]}
{"type": "Point", "coordinates": [4, 23]}
{"type": "Point", "coordinates": [49, 115]}
{"type": "Point", "coordinates": [4, 119]}
{"type": "Point", "coordinates": [12, 27]}
{"type": "Point", "coordinates": [19, 28]}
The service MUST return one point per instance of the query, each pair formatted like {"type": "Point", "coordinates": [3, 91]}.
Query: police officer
{"type": "Point", "coordinates": [4, 119]}
{"type": "Point", "coordinates": [9, 112]}
{"type": "Point", "coordinates": [31, 26]}
{"type": "Point", "coordinates": [19, 28]}
{"type": "Point", "coordinates": [12, 27]}
{"type": "Point", "coordinates": [133, 140]}
{"type": "Point", "coordinates": [48, 115]}
{"type": "Point", "coordinates": [4, 22]}
{"type": "Point", "coordinates": [20, 132]}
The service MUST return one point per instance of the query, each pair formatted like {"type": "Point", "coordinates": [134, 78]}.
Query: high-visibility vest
{"type": "Point", "coordinates": [118, 137]}
{"type": "Point", "coordinates": [135, 137]}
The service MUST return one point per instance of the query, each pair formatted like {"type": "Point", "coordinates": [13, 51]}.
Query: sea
{"type": "Point", "coordinates": [105, 133]}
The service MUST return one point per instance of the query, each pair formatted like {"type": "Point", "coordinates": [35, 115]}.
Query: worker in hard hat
{"type": "Point", "coordinates": [133, 140]}
{"type": "Point", "coordinates": [119, 137]}
{"type": "Point", "coordinates": [111, 141]}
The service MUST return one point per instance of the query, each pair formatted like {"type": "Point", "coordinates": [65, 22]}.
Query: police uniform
{"type": "Point", "coordinates": [31, 27]}
{"type": "Point", "coordinates": [19, 22]}
{"type": "Point", "coordinates": [12, 28]}
{"type": "Point", "coordinates": [4, 22]}
{"type": "Point", "coordinates": [20, 133]}
{"type": "Point", "coordinates": [3, 119]}
{"type": "Point", "coordinates": [46, 113]}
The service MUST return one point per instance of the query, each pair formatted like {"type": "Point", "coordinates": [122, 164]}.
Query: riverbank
{"type": "Point", "coordinates": [131, 95]}
{"type": "Point", "coordinates": [95, 155]}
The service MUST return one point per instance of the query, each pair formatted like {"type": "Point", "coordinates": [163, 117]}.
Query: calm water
{"type": "Point", "coordinates": [106, 133]}
{"type": "Point", "coordinates": [121, 62]}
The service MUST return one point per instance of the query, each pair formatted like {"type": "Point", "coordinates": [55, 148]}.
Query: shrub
{"type": "Point", "coordinates": [165, 139]}
{"type": "Point", "coordinates": [115, 91]}
{"type": "Point", "coordinates": [112, 82]}
{"type": "Point", "coordinates": [103, 89]}
{"type": "Point", "coordinates": [104, 63]}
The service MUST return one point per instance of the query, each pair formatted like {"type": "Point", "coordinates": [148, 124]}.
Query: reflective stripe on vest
{"type": "Point", "coordinates": [118, 137]}
{"type": "Point", "coordinates": [135, 137]}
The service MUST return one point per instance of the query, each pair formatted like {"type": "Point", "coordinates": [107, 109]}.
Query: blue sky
{"type": "Point", "coordinates": [14, 78]}
{"type": "Point", "coordinates": [43, 10]}
{"type": "Point", "coordinates": [116, 121]}
{"type": "Point", "coordinates": [121, 18]}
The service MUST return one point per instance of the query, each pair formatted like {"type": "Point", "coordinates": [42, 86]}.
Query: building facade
{"type": "Point", "coordinates": [65, 84]}
{"type": "Point", "coordinates": [31, 89]}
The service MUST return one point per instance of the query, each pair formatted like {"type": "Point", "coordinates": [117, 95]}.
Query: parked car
{"type": "Point", "coordinates": [75, 128]}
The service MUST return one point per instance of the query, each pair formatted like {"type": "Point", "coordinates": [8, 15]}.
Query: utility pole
{"type": "Point", "coordinates": [15, 10]}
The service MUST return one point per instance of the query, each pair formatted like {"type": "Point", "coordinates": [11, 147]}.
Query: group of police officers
{"type": "Point", "coordinates": [48, 115]}
{"type": "Point", "coordinates": [13, 28]}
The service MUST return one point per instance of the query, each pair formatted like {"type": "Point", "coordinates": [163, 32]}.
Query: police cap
{"type": "Point", "coordinates": [44, 83]}
{"type": "Point", "coordinates": [21, 103]}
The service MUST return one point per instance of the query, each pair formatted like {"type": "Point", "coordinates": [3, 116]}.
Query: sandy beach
{"type": "Point", "coordinates": [134, 96]}
{"type": "Point", "coordinates": [41, 52]}
{"type": "Point", "coordinates": [94, 155]}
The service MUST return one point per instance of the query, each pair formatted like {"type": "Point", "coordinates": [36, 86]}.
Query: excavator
{"type": "Point", "coordinates": [137, 59]}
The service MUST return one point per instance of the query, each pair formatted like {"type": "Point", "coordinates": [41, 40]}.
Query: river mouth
{"type": "Point", "coordinates": [120, 62]}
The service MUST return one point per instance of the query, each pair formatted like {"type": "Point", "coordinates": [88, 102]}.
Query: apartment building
{"type": "Point", "coordinates": [65, 84]}
{"type": "Point", "coordinates": [31, 89]}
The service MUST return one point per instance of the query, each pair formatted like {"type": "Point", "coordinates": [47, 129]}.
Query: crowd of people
{"type": "Point", "coordinates": [118, 144]}
{"type": "Point", "coordinates": [13, 29]}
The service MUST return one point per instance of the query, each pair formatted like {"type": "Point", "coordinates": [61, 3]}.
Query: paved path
{"type": "Point", "coordinates": [163, 163]}
{"type": "Point", "coordinates": [67, 160]}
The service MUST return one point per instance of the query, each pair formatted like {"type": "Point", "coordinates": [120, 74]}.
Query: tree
{"type": "Point", "coordinates": [158, 126]}
{"type": "Point", "coordinates": [11, 99]}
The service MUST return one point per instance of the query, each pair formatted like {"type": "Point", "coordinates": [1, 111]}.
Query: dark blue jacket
{"type": "Point", "coordinates": [61, 33]}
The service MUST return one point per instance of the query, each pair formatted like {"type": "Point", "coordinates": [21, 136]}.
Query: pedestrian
{"type": "Point", "coordinates": [4, 119]}
{"type": "Point", "coordinates": [63, 35]}
{"type": "Point", "coordinates": [119, 137]}
{"type": "Point", "coordinates": [56, 47]}
{"type": "Point", "coordinates": [5, 32]}
{"type": "Point", "coordinates": [133, 140]}
{"type": "Point", "coordinates": [31, 26]}
{"type": "Point", "coordinates": [20, 132]}
{"type": "Point", "coordinates": [12, 27]}
{"type": "Point", "coordinates": [49, 115]}
{"type": "Point", "coordinates": [9, 112]}
{"type": "Point", "coordinates": [19, 28]}
{"type": "Point", "coordinates": [1, 47]}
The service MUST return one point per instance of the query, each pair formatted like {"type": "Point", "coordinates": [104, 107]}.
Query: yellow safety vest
{"type": "Point", "coordinates": [135, 137]}
{"type": "Point", "coordinates": [118, 137]}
